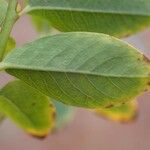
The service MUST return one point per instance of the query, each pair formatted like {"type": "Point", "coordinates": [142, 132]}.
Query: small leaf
{"type": "Point", "coordinates": [118, 18]}
{"type": "Point", "coordinates": [28, 108]}
{"type": "Point", "coordinates": [10, 45]}
{"type": "Point", "coordinates": [124, 113]}
{"type": "Point", "coordinates": [81, 69]}
{"type": "Point", "coordinates": [64, 114]}
{"type": "Point", "coordinates": [41, 24]}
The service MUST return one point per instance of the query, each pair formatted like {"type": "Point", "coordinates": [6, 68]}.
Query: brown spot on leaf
{"type": "Point", "coordinates": [40, 137]}
{"type": "Point", "coordinates": [51, 105]}
{"type": "Point", "coordinates": [54, 114]}
{"type": "Point", "coordinates": [138, 59]}
{"type": "Point", "coordinates": [131, 120]}
{"type": "Point", "coordinates": [146, 59]}
{"type": "Point", "coordinates": [109, 106]}
{"type": "Point", "coordinates": [148, 83]}
{"type": "Point", "coordinates": [33, 104]}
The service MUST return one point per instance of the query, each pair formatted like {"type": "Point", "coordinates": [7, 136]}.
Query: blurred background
{"type": "Point", "coordinates": [87, 131]}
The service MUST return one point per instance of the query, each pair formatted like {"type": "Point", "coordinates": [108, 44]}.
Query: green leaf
{"type": "Point", "coordinates": [28, 108]}
{"type": "Point", "coordinates": [81, 69]}
{"type": "Point", "coordinates": [64, 114]}
{"type": "Point", "coordinates": [124, 113]}
{"type": "Point", "coordinates": [3, 10]}
{"type": "Point", "coordinates": [118, 18]}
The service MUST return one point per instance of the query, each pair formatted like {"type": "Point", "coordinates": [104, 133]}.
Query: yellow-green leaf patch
{"type": "Point", "coordinates": [124, 113]}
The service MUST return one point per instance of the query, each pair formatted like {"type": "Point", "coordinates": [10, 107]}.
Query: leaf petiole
{"type": "Point", "coordinates": [7, 26]}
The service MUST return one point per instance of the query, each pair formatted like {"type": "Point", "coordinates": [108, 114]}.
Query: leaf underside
{"type": "Point", "coordinates": [27, 107]}
{"type": "Point", "coordinates": [81, 69]}
{"type": "Point", "coordinates": [120, 18]}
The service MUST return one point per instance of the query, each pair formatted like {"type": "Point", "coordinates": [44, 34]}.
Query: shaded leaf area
{"type": "Point", "coordinates": [124, 113]}
{"type": "Point", "coordinates": [118, 18]}
{"type": "Point", "coordinates": [64, 114]}
{"type": "Point", "coordinates": [10, 45]}
{"type": "Point", "coordinates": [28, 108]}
{"type": "Point", "coordinates": [81, 69]}
{"type": "Point", "coordinates": [42, 25]}
{"type": "Point", "coordinates": [1, 118]}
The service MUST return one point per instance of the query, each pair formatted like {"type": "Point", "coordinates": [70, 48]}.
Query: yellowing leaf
{"type": "Point", "coordinates": [28, 108]}
{"type": "Point", "coordinates": [124, 113]}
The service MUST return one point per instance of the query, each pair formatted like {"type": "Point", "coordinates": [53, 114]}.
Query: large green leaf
{"type": "Point", "coordinates": [117, 17]}
{"type": "Point", "coordinates": [124, 113]}
{"type": "Point", "coordinates": [28, 108]}
{"type": "Point", "coordinates": [81, 69]}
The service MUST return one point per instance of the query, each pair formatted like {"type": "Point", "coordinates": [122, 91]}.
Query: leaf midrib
{"type": "Point", "coordinates": [5, 66]}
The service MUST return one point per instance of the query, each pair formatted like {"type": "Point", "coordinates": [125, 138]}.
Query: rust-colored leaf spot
{"type": "Point", "coordinates": [109, 106]}
{"type": "Point", "coordinates": [33, 104]}
{"type": "Point", "coordinates": [146, 59]}
{"type": "Point", "coordinates": [39, 137]}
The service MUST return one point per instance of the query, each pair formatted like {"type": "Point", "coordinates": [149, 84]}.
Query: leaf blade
{"type": "Point", "coordinates": [81, 69]}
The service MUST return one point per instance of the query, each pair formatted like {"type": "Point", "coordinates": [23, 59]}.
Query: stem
{"type": "Point", "coordinates": [10, 19]}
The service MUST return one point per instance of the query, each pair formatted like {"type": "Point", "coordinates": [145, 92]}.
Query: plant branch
{"type": "Point", "coordinates": [10, 19]}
